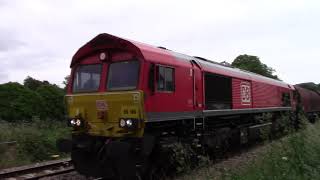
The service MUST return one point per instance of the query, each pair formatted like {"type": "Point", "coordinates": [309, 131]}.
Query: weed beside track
{"type": "Point", "coordinates": [33, 142]}
{"type": "Point", "coordinates": [296, 156]}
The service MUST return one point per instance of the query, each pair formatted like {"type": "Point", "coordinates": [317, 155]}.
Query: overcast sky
{"type": "Point", "coordinates": [38, 38]}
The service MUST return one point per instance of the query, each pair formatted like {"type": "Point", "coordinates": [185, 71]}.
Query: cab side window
{"type": "Point", "coordinates": [165, 79]}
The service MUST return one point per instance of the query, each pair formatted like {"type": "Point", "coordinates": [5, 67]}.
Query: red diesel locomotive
{"type": "Point", "coordinates": [126, 99]}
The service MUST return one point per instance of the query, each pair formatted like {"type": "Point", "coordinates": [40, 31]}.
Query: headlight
{"type": "Point", "coordinates": [130, 124]}
{"type": "Point", "coordinates": [75, 122]}
{"type": "Point", "coordinates": [122, 123]}
{"type": "Point", "coordinates": [78, 122]}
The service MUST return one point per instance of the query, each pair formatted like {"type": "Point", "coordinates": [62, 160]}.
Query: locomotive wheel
{"type": "Point", "coordinates": [157, 166]}
{"type": "Point", "coordinates": [153, 167]}
{"type": "Point", "coordinates": [168, 159]}
{"type": "Point", "coordinates": [85, 163]}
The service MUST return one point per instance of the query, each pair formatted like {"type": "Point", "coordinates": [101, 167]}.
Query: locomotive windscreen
{"type": "Point", "coordinates": [87, 78]}
{"type": "Point", "coordinates": [123, 75]}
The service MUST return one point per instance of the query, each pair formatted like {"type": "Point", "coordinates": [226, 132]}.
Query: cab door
{"type": "Point", "coordinates": [197, 85]}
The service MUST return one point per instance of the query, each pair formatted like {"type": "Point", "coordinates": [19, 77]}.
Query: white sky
{"type": "Point", "coordinates": [38, 37]}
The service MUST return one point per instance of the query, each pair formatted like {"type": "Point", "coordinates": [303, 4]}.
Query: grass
{"type": "Point", "coordinates": [35, 142]}
{"type": "Point", "coordinates": [294, 157]}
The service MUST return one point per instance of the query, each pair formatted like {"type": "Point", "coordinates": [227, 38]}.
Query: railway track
{"type": "Point", "coordinates": [38, 170]}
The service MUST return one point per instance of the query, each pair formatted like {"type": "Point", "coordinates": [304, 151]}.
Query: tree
{"type": "Point", "coordinates": [34, 98]}
{"type": "Point", "coordinates": [52, 97]}
{"type": "Point", "coordinates": [253, 64]}
{"type": "Point", "coordinates": [31, 83]}
{"type": "Point", "coordinates": [66, 81]}
{"type": "Point", "coordinates": [34, 84]}
{"type": "Point", "coordinates": [19, 103]}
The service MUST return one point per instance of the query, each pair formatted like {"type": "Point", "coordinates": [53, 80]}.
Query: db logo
{"type": "Point", "coordinates": [245, 93]}
{"type": "Point", "coordinates": [101, 105]}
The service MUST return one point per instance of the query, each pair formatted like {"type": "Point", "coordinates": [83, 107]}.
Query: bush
{"type": "Point", "coordinates": [19, 103]}
{"type": "Point", "coordinates": [294, 157]}
{"type": "Point", "coordinates": [53, 101]}
{"type": "Point", "coordinates": [33, 99]}
{"type": "Point", "coordinates": [36, 141]}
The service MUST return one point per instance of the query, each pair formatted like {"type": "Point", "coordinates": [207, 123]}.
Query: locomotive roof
{"type": "Point", "coordinates": [148, 52]}
{"type": "Point", "coordinates": [218, 68]}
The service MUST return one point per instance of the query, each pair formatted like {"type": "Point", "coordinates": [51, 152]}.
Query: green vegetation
{"type": "Point", "coordinates": [296, 156]}
{"type": "Point", "coordinates": [35, 141]}
{"type": "Point", "coordinates": [32, 99]}
{"type": "Point", "coordinates": [19, 103]}
{"type": "Point", "coordinates": [253, 64]}
{"type": "Point", "coordinates": [33, 115]}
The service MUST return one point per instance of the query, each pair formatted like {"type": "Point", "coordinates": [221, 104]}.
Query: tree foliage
{"type": "Point", "coordinates": [66, 82]}
{"type": "Point", "coordinates": [19, 103]}
{"type": "Point", "coordinates": [32, 99]}
{"type": "Point", "coordinates": [32, 84]}
{"type": "Point", "coordinates": [253, 64]}
{"type": "Point", "coordinates": [52, 97]}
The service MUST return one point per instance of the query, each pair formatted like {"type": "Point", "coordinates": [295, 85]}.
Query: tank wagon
{"type": "Point", "coordinates": [125, 98]}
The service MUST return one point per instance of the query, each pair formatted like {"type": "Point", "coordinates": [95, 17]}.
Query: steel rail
{"type": "Point", "coordinates": [38, 170]}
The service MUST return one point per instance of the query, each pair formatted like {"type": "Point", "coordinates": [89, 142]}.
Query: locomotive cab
{"type": "Point", "coordinates": [105, 99]}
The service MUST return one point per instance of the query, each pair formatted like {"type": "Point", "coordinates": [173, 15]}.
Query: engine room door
{"type": "Point", "coordinates": [197, 86]}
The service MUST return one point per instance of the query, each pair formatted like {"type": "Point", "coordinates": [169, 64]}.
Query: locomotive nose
{"type": "Point", "coordinates": [112, 114]}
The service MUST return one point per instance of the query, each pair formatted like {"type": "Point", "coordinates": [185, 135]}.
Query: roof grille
{"type": "Point", "coordinates": [161, 47]}
{"type": "Point", "coordinates": [213, 62]}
